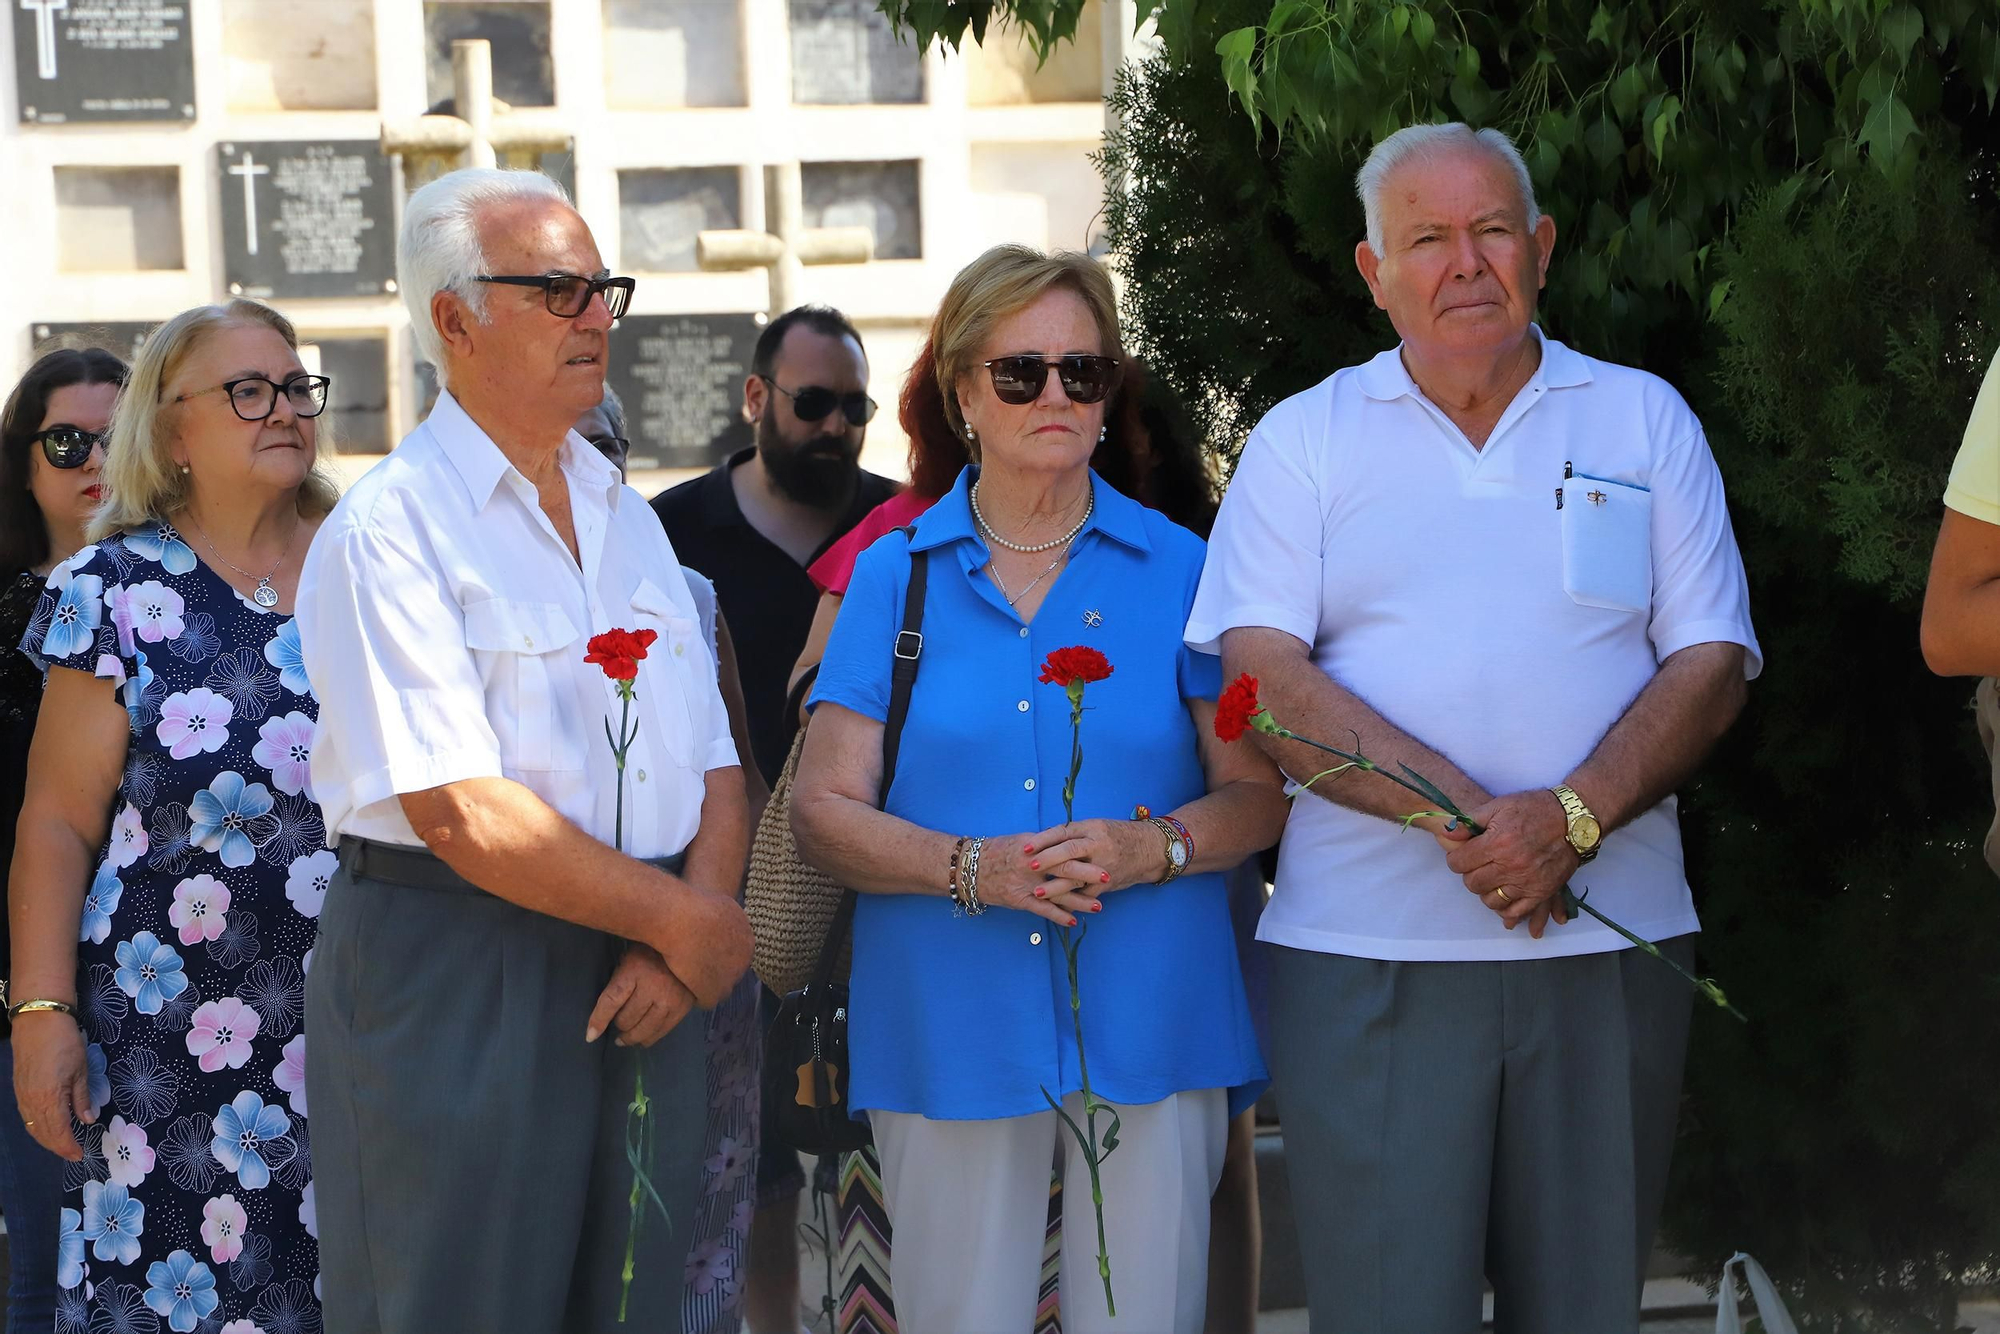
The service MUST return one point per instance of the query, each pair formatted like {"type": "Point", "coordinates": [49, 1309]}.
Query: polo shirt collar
{"type": "Point", "coordinates": [481, 466]}
{"type": "Point", "coordinates": [1114, 514]}
{"type": "Point", "coordinates": [1385, 377]}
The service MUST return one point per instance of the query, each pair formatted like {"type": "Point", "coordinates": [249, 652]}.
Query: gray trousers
{"type": "Point", "coordinates": [469, 1147]}
{"type": "Point", "coordinates": [1448, 1121]}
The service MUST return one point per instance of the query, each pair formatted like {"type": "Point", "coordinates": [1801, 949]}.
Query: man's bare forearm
{"type": "Point", "coordinates": [1306, 701]}
{"type": "Point", "coordinates": [1665, 735]}
{"type": "Point", "coordinates": [509, 842]}
{"type": "Point", "coordinates": [721, 848]}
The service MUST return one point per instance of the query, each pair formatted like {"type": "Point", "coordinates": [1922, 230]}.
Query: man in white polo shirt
{"type": "Point", "coordinates": [1470, 1085]}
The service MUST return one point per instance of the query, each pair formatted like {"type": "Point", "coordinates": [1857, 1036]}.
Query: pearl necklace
{"type": "Point", "coordinates": [998, 540]}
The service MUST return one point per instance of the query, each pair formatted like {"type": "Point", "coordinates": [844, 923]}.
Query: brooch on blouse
{"type": "Point", "coordinates": [1093, 618]}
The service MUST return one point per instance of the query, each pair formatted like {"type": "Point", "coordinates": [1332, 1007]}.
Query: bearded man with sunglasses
{"type": "Point", "coordinates": [504, 906]}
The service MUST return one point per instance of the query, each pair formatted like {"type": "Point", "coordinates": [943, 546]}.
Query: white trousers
{"type": "Point", "coordinates": [968, 1202]}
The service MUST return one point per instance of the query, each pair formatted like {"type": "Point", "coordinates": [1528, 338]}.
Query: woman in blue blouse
{"type": "Point", "coordinates": [960, 1011]}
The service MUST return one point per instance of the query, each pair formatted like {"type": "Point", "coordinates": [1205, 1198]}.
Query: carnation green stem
{"type": "Point", "coordinates": [638, 1126]}
{"type": "Point", "coordinates": [1086, 1139]}
{"type": "Point", "coordinates": [1573, 903]}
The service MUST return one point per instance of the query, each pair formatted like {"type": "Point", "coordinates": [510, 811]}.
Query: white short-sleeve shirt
{"type": "Point", "coordinates": [1443, 586]}
{"type": "Point", "coordinates": [444, 626]}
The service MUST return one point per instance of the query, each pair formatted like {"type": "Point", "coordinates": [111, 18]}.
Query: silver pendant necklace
{"type": "Point", "coordinates": [993, 568]}
{"type": "Point", "coordinates": [263, 595]}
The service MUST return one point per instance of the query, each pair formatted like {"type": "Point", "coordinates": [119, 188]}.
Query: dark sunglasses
{"type": "Point", "coordinates": [567, 294]}
{"type": "Point", "coordinates": [67, 446]}
{"type": "Point", "coordinates": [1021, 379]}
{"type": "Point", "coordinates": [816, 402]}
{"type": "Point", "coordinates": [254, 397]}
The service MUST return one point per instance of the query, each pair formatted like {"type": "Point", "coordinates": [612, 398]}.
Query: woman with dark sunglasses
{"type": "Point", "coordinates": [51, 464]}
{"type": "Point", "coordinates": [960, 1017]}
{"type": "Point", "coordinates": [170, 858]}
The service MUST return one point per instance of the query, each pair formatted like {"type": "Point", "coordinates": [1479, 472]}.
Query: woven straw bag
{"type": "Point", "coordinates": [790, 904]}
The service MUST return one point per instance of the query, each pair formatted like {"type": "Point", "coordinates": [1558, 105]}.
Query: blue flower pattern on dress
{"type": "Point", "coordinates": [246, 1129]}
{"type": "Point", "coordinates": [150, 972]}
{"type": "Point", "coordinates": [131, 1259]}
{"type": "Point", "coordinates": [231, 817]}
{"type": "Point", "coordinates": [182, 1289]}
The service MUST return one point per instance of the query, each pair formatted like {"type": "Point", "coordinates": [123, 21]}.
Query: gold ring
{"type": "Point", "coordinates": [1505, 897]}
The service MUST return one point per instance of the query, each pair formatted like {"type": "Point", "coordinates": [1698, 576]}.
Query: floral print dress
{"type": "Point", "coordinates": [193, 1206]}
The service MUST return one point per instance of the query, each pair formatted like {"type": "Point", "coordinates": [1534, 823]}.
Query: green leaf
{"type": "Point", "coordinates": [1626, 90]}
{"type": "Point", "coordinates": [1600, 27]}
{"type": "Point", "coordinates": [1423, 27]}
{"type": "Point", "coordinates": [1236, 49]}
{"type": "Point", "coordinates": [1900, 28]}
{"type": "Point", "coordinates": [1399, 20]}
{"type": "Point", "coordinates": [1717, 295]}
{"type": "Point", "coordinates": [1290, 14]}
{"type": "Point", "coordinates": [1888, 127]}
{"type": "Point", "coordinates": [1603, 140]}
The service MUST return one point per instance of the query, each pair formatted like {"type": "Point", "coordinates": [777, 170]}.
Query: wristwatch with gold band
{"type": "Point", "coordinates": [1584, 833]}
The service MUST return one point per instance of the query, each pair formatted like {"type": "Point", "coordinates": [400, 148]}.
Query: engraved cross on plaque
{"type": "Point", "coordinates": [786, 245]}
{"type": "Point", "coordinates": [249, 169]}
{"type": "Point", "coordinates": [45, 33]}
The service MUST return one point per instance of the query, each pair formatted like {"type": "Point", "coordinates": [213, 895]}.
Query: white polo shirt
{"type": "Point", "coordinates": [1441, 584]}
{"type": "Point", "coordinates": [444, 626]}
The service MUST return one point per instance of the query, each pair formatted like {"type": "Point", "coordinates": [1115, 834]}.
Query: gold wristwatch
{"type": "Point", "coordinates": [1584, 833]}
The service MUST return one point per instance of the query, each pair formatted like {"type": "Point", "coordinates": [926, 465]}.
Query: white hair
{"type": "Point", "coordinates": [1423, 142]}
{"type": "Point", "coordinates": [439, 251]}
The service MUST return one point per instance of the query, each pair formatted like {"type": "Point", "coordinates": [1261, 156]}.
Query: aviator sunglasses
{"type": "Point", "coordinates": [815, 402]}
{"type": "Point", "coordinates": [1020, 379]}
{"type": "Point", "coordinates": [67, 446]}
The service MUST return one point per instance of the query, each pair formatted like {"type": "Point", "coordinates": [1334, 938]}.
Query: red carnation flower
{"type": "Point", "coordinates": [1077, 666]}
{"type": "Point", "coordinates": [619, 652]}
{"type": "Point", "coordinates": [1236, 708]}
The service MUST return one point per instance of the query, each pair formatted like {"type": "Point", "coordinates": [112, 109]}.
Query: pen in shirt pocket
{"type": "Point", "coordinates": [1567, 474]}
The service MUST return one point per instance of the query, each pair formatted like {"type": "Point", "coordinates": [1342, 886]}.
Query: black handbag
{"type": "Point", "coordinates": [805, 1049]}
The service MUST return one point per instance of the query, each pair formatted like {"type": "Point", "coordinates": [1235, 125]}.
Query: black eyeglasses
{"type": "Point", "coordinates": [816, 403]}
{"type": "Point", "coordinates": [1020, 379]}
{"type": "Point", "coordinates": [254, 397]}
{"type": "Point", "coordinates": [568, 294]}
{"type": "Point", "coordinates": [68, 446]}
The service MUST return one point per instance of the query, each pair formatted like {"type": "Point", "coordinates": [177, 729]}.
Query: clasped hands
{"type": "Point", "coordinates": [1519, 865]}
{"type": "Point", "coordinates": [1064, 872]}
{"type": "Point", "coordinates": [650, 993]}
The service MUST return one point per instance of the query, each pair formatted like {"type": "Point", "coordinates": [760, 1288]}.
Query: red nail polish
{"type": "Point", "coordinates": [1034, 866]}
{"type": "Point", "coordinates": [1097, 907]}
{"type": "Point", "coordinates": [1029, 848]}
{"type": "Point", "coordinates": [1041, 893]}
{"type": "Point", "coordinates": [1071, 922]}
{"type": "Point", "coordinates": [1105, 876]}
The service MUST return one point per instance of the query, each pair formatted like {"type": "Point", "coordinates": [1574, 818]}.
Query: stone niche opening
{"type": "Point", "coordinates": [669, 54]}
{"type": "Point", "coordinates": [661, 210]}
{"type": "Point", "coordinates": [299, 55]}
{"type": "Point", "coordinates": [523, 73]}
{"type": "Point", "coordinates": [845, 53]}
{"type": "Point", "coordinates": [1002, 72]}
{"type": "Point", "coordinates": [118, 219]}
{"type": "Point", "coordinates": [881, 196]}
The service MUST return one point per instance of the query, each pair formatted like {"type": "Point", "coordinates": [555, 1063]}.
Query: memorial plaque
{"type": "Point", "coordinates": [102, 60]}
{"type": "Point", "coordinates": [881, 196]}
{"type": "Point", "coordinates": [681, 379]}
{"type": "Point", "coordinates": [306, 218]}
{"type": "Point", "coordinates": [845, 52]}
{"type": "Point", "coordinates": [357, 404]}
{"type": "Point", "coordinates": [122, 338]}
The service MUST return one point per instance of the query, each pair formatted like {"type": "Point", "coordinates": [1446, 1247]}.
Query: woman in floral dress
{"type": "Point", "coordinates": [171, 859]}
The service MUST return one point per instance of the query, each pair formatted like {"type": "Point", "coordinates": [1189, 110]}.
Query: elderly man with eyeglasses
{"type": "Point", "coordinates": [513, 934]}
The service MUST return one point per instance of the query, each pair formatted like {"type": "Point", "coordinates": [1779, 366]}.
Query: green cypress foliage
{"type": "Point", "coordinates": [1788, 210]}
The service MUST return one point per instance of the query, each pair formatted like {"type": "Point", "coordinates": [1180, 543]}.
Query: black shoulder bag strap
{"type": "Point", "coordinates": [908, 648]}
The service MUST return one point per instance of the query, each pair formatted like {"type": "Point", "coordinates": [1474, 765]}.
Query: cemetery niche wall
{"type": "Point", "coordinates": [80, 61]}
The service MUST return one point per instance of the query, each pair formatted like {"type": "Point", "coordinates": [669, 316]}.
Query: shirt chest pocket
{"type": "Point", "coordinates": [523, 651]}
{"type": "Point", "coordinates": [681, 652]}
{"type": "Point", "coordinates": [1607, 538]}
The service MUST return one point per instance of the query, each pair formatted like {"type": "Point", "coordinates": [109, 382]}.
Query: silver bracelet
{"type": "Point", "coordinates": [970, 883]}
